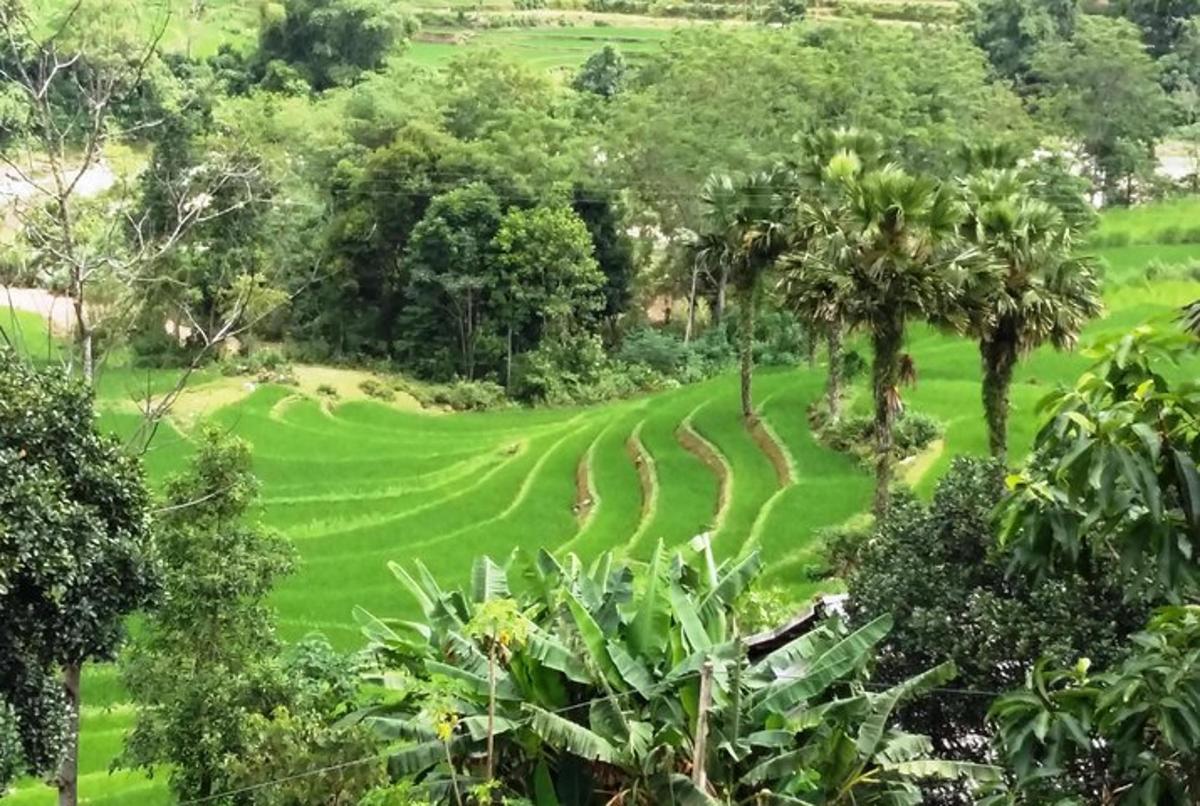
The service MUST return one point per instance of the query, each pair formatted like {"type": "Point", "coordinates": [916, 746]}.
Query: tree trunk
{"type": "Point", "coordinates": [83, 333]}
{"type": "Point", "coordinates": [746, 341]}
{"type": "Point", "coordinates": [833, 387]}
{"type": "Point", "coordinates": [999, 358]}
{"type": "Point", "coordinates": [691, 319]}
{"type": "Point", "coordinates": [718, 312]}
{"type": "Point", "coordinates": [508, 362]}
{"type": "Point", "coordinates": [68, 770]}
{"type": "Point", "coordinates": [887, 340]}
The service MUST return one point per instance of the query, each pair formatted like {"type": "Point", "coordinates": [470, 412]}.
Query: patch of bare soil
{"type": "Point", "coordinates": [768, 444]}
{"type": "Point", "coordinates": [695, 444]}
{"type": "Point", "coordinates": [585, 499]}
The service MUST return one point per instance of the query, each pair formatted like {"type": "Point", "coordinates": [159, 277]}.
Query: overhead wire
{"type": "Point", "coordinates": [663, 686]}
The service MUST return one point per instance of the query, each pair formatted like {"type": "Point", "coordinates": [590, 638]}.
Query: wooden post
{"type": "Point", "coordinates": [699, 755]}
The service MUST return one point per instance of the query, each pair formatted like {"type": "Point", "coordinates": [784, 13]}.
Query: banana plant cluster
{"type": "Point", "coordinates": [561, 682]}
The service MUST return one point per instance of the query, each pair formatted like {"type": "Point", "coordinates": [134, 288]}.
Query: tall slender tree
{"type": "Point", "coordinates": [815, 236]}
{"type": "Point", "coordinates": [898, 258]}
{"type": "Point", "coordinates": [761, 232]}
{"type": "Point", "coordinates": [1045, 295]}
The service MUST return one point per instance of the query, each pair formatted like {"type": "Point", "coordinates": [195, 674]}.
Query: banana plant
{"type": "Point", "coordinates": [570, 683]}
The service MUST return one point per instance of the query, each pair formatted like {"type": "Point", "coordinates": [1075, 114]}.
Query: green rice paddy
{"type": "Point", "coordinates": [360, 484]}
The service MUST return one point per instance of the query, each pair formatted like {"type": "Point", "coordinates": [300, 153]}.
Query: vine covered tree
{"type": "Point", "coordinates": [1045, 293]}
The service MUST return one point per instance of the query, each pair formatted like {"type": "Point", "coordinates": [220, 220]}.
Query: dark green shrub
{"type": "Point", "coordinates": [1169, 235]}
{"type": "Point", "coordinates": [325, 390]}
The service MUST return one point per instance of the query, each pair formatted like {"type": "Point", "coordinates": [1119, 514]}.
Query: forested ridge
{"type": "Point", "coordinates": [599, 403]}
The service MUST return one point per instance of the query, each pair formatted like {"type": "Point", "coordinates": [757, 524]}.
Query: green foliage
{"type": "Point", "coordinates": [1144, 711]}
{"type": "Point", "coordinates": [992, 625]}
{"type": "Point", "coordinates": [216, 700]}
{"type": "Point", "coordinates": [1163, 22]}
{"type": "Point", "coordinates": [1044, 292]}
{"type": "Point", "coordinates": [452, 272]}
{"type": "Point", "coordinates": [329, 42]}
{"type": "Point", "coordinates": [1103, 89]}
{"type": "Point", "coordinates": [924, 91]}
{"type": "Point", "coordinates": [592, 675]}
{"type": "Point", "coordinates": [373, 387]}
{"type": "Point", "coordinates": [1012, 31]}
{"type": "Point", "coordinates": [914, 432]}
{"type": "Point", "coordinates": [879, 251]}
{"type": "Point", "coordinates": [1113, 476]}
{"type": "Point", "coordinates": [604, 73]}
{"type": "Point", "coordinates": [549, 274]}
{"type": "Point", "coordinates": [76, 553]}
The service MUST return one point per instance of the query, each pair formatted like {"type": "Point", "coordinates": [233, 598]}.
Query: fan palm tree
{"type": "Point", "coordinates": [1045, 294]}
{"type": "Point", "coordinates": [828, 159]}
{"type": "Point", "coordinates": [761, 229]}
{"type": "Point", "coordinates": [885, 254]}
{"type": "Point", "coordinates": [713, 247]}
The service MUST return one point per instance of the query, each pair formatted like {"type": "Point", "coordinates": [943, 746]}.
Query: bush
{"type": "Point", "coordinates": [373, 387]}
{"type": "Point", "coordinates": [657, 349]}
{"type": "Point", "coordinates": [325, 390]}
{"type": "Point", "coordinates": [470, 395]}
{"type": "Point", "coordinates": [267, 365]}
{"type": "Point", "coordinates": [458, 395]}
{"type": "Point", "coordinates": [855, 435]}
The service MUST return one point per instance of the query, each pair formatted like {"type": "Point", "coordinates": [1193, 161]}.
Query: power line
{"type": "Point", "coordinates": [662, 687]}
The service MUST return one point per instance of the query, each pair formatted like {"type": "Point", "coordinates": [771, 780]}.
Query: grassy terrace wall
{"type": "Point", "coordinates": [362, 483]}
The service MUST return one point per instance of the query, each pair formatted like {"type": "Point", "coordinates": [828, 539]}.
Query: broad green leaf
{"type": "Point", "coordinates": [553, 654]}
{"type": "Point", "coordinates": [543, 786]}
{"type": "Point", "coordinates": [945, 770]}
{"type": "Point", "coordinates": [488, 581]}
{"type": "Point", "coordinates": [870, 733]}
{"type": "Point", "coordinates": [845, 656]}
{"type": "Point", "coordinates": [1189, 486]}
{"type": "Point", "coordinates": [568, 736]}
{"type": "Point", "coordinates": [396, 727]}
{"type": "Point", "coordinates": [632, 670]}
{"type": "Point", "coordinates": [478, 683]}
{"type": "Point", "coordinates": [689, 619]}
{"type": "Point", "coordinates": [477, 726]}
{"type": "Point", "coordinates": [424, 600]}
{"type": "Point", "coordinates": [683, 792]}
{"type": "Point", "coordinates": [648, 631]}
{"type": "Point", "coordinates": [732, 583]}
{"type": "Point", "coordinates": [594, 641]}
{"type": "Point", "coordinates": [416, 759]}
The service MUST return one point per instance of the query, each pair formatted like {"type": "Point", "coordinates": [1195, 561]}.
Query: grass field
{"type": "Point", "coordinates": [550, 47]}
{"type": "Point", "coordinates": [362, 483]}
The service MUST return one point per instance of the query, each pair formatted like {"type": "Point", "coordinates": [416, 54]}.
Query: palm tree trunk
{"type": "Point", "coordinates": [691, 319]}
{"type": "Point", "coordinates": [833, 386]}
{"type": "Point", "coordinates": [722, 290]}
{"type": "Point", "coordinates": [999, 358]}
{"type": "Point", "coordinates": [887, 340]}
{"type": "Point", "coordinates": [746, 341]}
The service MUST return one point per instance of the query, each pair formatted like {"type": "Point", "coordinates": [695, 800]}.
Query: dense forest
{"type": "Point", "coordinates": [790, 243]}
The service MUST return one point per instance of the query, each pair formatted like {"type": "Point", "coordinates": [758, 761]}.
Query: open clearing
{"type": "Point", "coordinates": [359, 483]}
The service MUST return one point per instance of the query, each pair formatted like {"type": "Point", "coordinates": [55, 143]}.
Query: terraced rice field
{"type": "Point", "coordinates": [362, 483]}
{"type": "Point", "coordinates": [550, 47]}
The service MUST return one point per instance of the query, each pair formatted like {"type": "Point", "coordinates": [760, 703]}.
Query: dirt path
{"type": "Point", "coordinates": [55, 309]}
